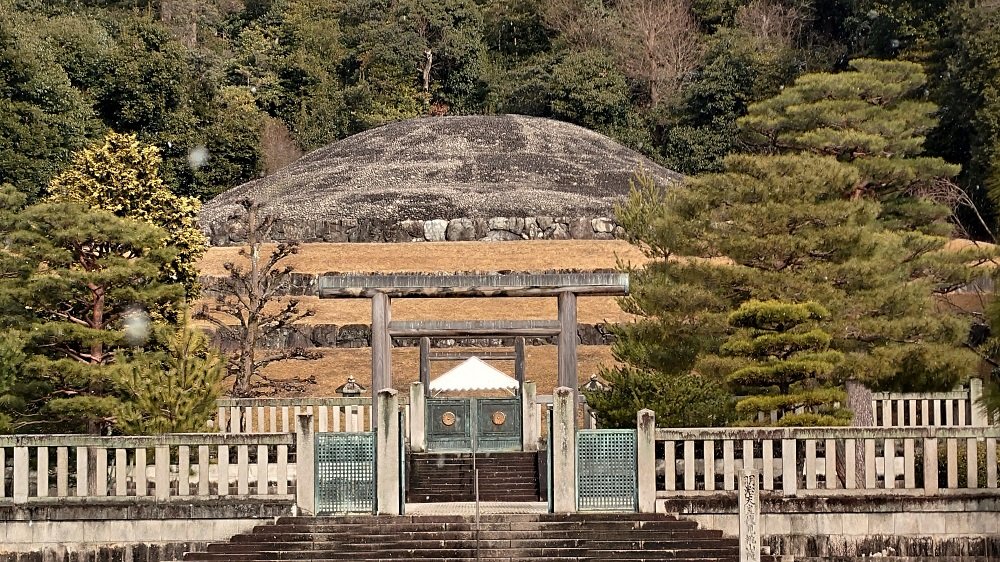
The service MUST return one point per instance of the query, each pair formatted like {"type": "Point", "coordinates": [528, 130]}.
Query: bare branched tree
{"type": "Point", "coordinates": [277, 145]}
{"type": "Point", "coordinates": [242, 309]}
{"type": "Point", "coordinates": [659, 44]}
{"type": "Point", "coordinates": [773, 24]}
{"type": "Point", "coordinates": [584, 24]}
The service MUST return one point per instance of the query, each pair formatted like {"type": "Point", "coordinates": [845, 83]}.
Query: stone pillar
{"type": "Point", "coordinates": [381, 349]}
{"type": "Point", "coordinates": [979, 416]}
{"type": "Point", "coordinates": [563, 451]}
{"type": "Point", "coordinates": [305, 465]}
{"type": "Point", "coordinates": [520, 366]}
{"type": "Point", "coordinates": [645, 458]}
{"type": "Point", "coordinates": [418, 403]}
{"type": "Point", "coordinates": [749, 499]}
{"type": "Point", "coordinates": [425, 363]}
{"type": "Point", "coordinates": [930, 464]}
{"type": "Point", "coordinates": [529, 417]}
{"type": "Point", "coordinates": [789, 475]}
{"type": "Point", "coordinates": [387, 453]}
{"type": "Point", "coordinates": [20, 475]}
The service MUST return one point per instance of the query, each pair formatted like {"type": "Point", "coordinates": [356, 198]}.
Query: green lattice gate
{"type": "Point", "coordinates": [345, 473]}
{"type": "Point", "coordinates": [606, 470]}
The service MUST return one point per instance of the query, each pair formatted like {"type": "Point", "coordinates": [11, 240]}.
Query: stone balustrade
{"type": "Point", "coordinates": [171, 467]}
{"type": "Point", "coordinates": [940, 409]}
{"type": "Point", "coordinates": [956, 408]}
{"type": "Point", "coordinates": [277, 415]}
{"type": "Point", "coordinates": [824, 461]}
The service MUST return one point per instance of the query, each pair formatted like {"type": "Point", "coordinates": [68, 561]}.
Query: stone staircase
{"type": "Point", "coordinates": [448, 477]}
{"type": "Point", "coordinates": [453, 538]}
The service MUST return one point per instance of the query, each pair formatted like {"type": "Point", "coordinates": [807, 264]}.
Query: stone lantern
{"type": "Point", "coordinates": [594, 385]}
{"type": "Point", "coordinates": [350, 389]}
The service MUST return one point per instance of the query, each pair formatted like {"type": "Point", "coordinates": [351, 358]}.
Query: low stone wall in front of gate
{"type": "Point", "coordinates": [859, 527]}
{"type": "Point", "coordinates": [129, 530]}
{"type": "Point", "coordinates": [829, 492]}
{"type": "Point", "coordinates": [144, 498]}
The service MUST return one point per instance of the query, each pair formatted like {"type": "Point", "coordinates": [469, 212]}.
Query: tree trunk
{"type": "Point", "coordinates": [97, 323]}
{"type": "Point", "coordinates": [429, 55]}
{"type": "Point", "coordinates": [859, 401]}
{"type": "Point", "coordinates": [248, 347]}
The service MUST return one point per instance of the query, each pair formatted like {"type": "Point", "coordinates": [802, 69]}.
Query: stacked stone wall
{"type": "Point", "coordinates": [437, 230]}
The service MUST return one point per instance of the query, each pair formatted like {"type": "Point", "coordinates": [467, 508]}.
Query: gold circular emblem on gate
{"type": "Point", "coordinates": [499, 418]}
{"type": "Point", "coordinates": [448, 418]}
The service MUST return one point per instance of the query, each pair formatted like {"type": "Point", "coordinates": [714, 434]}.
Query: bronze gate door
{"type": "Point", "coordinates": [467, 424]}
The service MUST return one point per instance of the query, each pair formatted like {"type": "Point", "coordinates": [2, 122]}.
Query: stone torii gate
{"type": "Point", "coordinates": [381, 289]}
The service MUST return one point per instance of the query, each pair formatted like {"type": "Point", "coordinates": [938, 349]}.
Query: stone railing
{"type": "Point", "coordinates": [276, 415]}
{"type": "Point", "coordinates": [938, 409]}
{"type": "Point", "coordinates": [437, 230]}
{"type": "Point", "coordinates": [171, 467]}
{"type": "Point", "coordinates": [821, 461]}
{"type": "Point", "coordinates": [956, 408]}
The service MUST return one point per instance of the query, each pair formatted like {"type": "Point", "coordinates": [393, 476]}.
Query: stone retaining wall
{"type": "Point", "coordinates": [854, 527]}
{"type": "Point", "coordinates": [437, 230]}
{"type": "Point", "coordinates": [128, 531]}
{"type": "Point", "coordinates": [360, 335]}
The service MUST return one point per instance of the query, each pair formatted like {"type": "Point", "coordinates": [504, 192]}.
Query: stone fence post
{"type": "Point", "coordinates": [749, 516]}
{"type": "Point", "coordinates": [387, 452]}
{"type": "Point", "coordinates": [563, 451]}
{"type": "Point", "coordinates": [645, 458]}
{"type": "Point", "coordinates": [20, 474]}
{"type": "Point", "coordinates": [979, 416]}
{"type": "Point", "coordinates": [418, 412]}
{"type": "Point", "coordinates": [305, 465]}
{"type": "Point", "coordinates": [529, 417]}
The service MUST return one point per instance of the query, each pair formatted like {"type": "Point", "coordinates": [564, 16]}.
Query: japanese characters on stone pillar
{"type": "Point", "coordinates": [749, 500]}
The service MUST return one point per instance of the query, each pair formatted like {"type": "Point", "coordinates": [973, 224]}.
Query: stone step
{"type": "Point", "coordinates": [499, 518]}
{"type": "Point", "coordinates": [388, 526]}
{"type": "Point", "coordinates": [606, 537]}
{"type": "Point", "coordinates": [697, 535]}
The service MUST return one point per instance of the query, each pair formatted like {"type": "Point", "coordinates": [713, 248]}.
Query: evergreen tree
{"type": "Point", "coordinates": [782, 228]}
{"type": "Point", "coordinates": [43, 118]}
{"type": "Point", "coordinates": [121, 176]}
{"type": "Point", "coordinates": [787, 366]}
{"type": "Point", "coordinates": [91, 268]}
{"type": "Point", "coordinates": [173, 389]}
{"type": "Point", "coordinates": [876, 119]}
{"type": "Point", "coordinates": [965, 83]}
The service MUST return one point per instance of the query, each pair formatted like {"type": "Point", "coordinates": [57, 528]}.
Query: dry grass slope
{"type": "Point", "coordinates": [337, 364]}
{"type": "Point", "coordinates": [443, 257]}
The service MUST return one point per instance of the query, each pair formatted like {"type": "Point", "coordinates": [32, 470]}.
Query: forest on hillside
{"type": "Point", "coordinates": [229, 90]}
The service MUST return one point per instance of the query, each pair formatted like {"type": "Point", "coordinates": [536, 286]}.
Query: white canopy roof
{"type": "Point", "coordinates": [473, 374]}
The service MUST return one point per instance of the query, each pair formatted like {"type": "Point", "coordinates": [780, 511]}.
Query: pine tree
{"type": "Point", "coordinates": [121, 176]}
{"type": "Point", "coordinates": [876, 119]}
{"type": "Point", "coordinates": [781, 228]}
{"type": "Point", "coordinates": [172, 390]}
{"type": "Point", "coordinates": [90, 269]}
{"type": "Point", "coordinates": [787, 365]}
